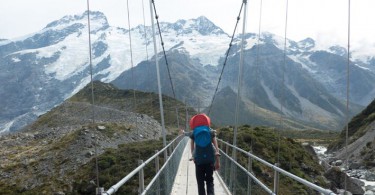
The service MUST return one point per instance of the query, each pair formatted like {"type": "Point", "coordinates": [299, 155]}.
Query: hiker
{"type": "Point", "coordinates": [205, 152]}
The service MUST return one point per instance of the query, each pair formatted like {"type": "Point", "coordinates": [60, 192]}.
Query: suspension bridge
{"type": "Point", "coordinates": [177, 173]}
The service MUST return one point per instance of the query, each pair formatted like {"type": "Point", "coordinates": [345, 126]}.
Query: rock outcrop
{"type": "Point", "coordinates": [338, 179]}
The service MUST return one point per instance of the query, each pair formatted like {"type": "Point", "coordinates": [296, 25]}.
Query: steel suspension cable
{"type": "Point", "coordinates": [347, 97]}
{"type": "Point", "coordinates": [239, 81]}
{"type": "Point", "coordinates": [144, 28]}
{"type": "Point", "coordinates": [132, 73]}
{"type": "Point", "coordinates": [257, 58]}
{"type": "Point", "coordinates": [282, 101]}
{"type": "Point", "coordinates": [146, 43]}
{"type": "Point", "coordinates": [239, 86]}
{"type": "Point", "coordinates": [158, 79]}
{"type": "Point", "coordinates": [256, 79]}
{"type": "Point", "coordinates": [283, 83]}
{"type": "Point", "coordinates": [92, 96]}
{"type": "Point", "coordinates": [165, 56]}
{"type": "Point", "coordinates": [131, 59]}
{"type": "Point", "coordinates": [162, 45]}
{"type": "Point", "coordinates": [225, 60]}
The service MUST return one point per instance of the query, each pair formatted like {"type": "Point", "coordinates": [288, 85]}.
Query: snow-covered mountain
{"type": "Point", "coordinates": [306, 103]}
{"type": "Point", "coordinates": [329, 67]}
{"type": "Point", "coordinates": [39, 71]}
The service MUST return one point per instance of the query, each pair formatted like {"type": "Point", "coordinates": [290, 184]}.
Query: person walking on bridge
{"type": "Point", "coordinates": [205, 152]}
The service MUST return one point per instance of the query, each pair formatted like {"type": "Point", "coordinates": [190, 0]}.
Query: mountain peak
{"type": "Point", "coordinates": [338, 50]}
{"type": "Point", "coordinates": [308, 40]}
{"type": "Point", "coordinates": [307, 43]}
{"type": "Point", "coordinates": [202, 25]}
{"type": "Point", "coordinates": [67, 20]}
{"type": "Point", "coordinates": [206, 26]}
{"type": "Point", "coordinates": [203, 19]}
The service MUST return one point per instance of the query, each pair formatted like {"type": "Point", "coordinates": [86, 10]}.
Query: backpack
{"type": "Point", "coordinates": [204, 151]}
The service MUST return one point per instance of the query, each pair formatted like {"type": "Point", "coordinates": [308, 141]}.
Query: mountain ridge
{"type": "Point", "coordinates": [56, 60]}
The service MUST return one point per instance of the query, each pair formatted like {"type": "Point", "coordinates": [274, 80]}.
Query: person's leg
{"type": "Point", "coordinates": [210, 179]}
{"type": "Point", "coordinates": [200, 175]}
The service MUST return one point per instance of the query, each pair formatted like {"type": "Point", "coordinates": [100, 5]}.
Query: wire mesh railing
{"type": "Point", "coordinates": [164, 178]}
{"type": "Point", "coordinates": [240, 179]}
{"type": "Point", "coordinates": [163, 181]}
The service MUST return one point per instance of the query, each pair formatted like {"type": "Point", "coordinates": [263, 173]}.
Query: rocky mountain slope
{"type": "Point", "coordinates": [45, 156]}
{"type": "Point", "coordinates": [361, 136]}
{"type": "Point", "coordinates": [306, 102]}
{"type": "Point", "coordinates": [41, 70]}
{"type": "Point", "coordinates": [192, 82]}
{"type": "Point", "coordinates": [303, 98]}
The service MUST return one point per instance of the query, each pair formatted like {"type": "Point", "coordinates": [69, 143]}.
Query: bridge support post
{"type": "Point", "coordinates": [99, 190]}
{"type": "Point", "coordinates": [226, 165]}
{"type": "Point", "coordinates": [276, 180]}
{"type": "Point", "coordinates": [166, 181]}
{"type": "Point", "coordinates": [233, 172]}
{"type": "Point", "coordinates": [186, 118]}
{"type": "Point", "coordinates": [178, 120]}
{"type": "Point", "coordinates": [250, 169]}
{"type": "Point", "coordinates": [170, 150]}
{"type": "Point", "coordinates": [156, 172]}
{"type": "Point", "coordinates": [141, 179]}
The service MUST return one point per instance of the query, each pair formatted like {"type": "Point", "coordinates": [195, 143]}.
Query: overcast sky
{"type": "Point", "coordinates": [323, 20]}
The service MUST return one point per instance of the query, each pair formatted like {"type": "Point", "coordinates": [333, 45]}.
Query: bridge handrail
{"type": "Point", "coordinates": [161, 169]}
{"type": "Point", "coordinates": [115, 187]}
{"type": "Point", "coordinates": [282, 171]}
{"type": "Point", "coordinates": [248, 173]}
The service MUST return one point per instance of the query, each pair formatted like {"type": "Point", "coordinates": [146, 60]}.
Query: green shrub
{"type": "Point", "coordinates": [106, 161]}
{"type": "Point", "coordinates": [265, 144]}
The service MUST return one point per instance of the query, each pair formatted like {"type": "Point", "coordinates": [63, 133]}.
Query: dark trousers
{"type": "Point", "coordinates": [205, 173]}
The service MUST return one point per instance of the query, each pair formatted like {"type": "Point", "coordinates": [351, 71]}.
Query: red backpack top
{"type": "Point", "coordinates": [199, 120]}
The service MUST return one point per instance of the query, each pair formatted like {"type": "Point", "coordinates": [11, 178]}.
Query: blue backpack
{"type": "Point", "coordinates": [204, 151]}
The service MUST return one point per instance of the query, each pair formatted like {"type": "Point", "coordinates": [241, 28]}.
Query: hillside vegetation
{"type": "Point", "coordinates": [293, 157]}
{"type": "Point", "coordinates": [55, 155]}
{"type": "Point", "coordinates": [107, 95]}
{"type": "Point", "coordinates": [361, 140]}
{"type": "Point", "coordinates": [45, 157]}
{"type": "Point", "coordinates": [313, 137]}
{"type": "Point", "coordinates": [115, 163]}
